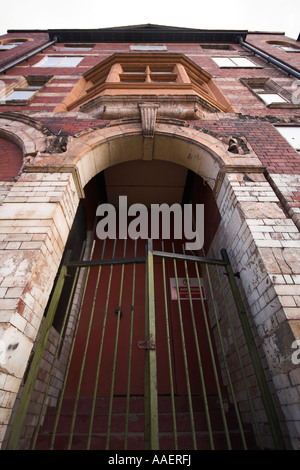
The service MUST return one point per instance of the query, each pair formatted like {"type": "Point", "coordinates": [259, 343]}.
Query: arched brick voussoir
{"type": "Point", "coordinates": [29, 139]}
{"type": "Point", "coordinates": [94, 151]}
{"type": "Point", "coordinates": [203, 153]}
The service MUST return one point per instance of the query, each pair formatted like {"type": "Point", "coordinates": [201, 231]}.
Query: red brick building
{"type": "Point", "coordinates": [107, 348]}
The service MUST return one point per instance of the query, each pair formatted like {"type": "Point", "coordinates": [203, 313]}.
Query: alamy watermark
{"type": "Point", "coordinates": [296, 354]}
{"type": "Point", "coordinates": [137, 221]}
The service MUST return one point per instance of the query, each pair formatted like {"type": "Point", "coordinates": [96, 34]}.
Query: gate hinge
{"type": "Point", "coordinates": [147, 344]}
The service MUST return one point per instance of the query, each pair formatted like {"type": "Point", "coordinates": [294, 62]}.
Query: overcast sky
{"type": "Point", "coordinates": [251, 15]}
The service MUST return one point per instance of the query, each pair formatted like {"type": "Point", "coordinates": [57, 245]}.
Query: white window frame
{"type": "Point", "coordinates": [21, 93]}
{"type": "Point", "coordinates": [287, 48]}
{"type": "Point", "coordinates": [234, 62]}
{"type": "Point", "coordinates": [291, 135]}
{"type": "Point", "coordinates": [61, 61]}
{"type": "Point", "coordinates": [75, 47]}
{"type": "Point", "coordinates": [10, 45]}
{"type": "Point", "coordinates": [267, 90]}
{"type": "Point", "coordinates": [148, 47]}
{"type": "Point", "coordinates": [270, 97]}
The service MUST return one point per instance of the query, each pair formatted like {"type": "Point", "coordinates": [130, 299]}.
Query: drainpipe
{"type": "Point", "coordinates": [27, 56]}
{"type": "Point", "coordinates": [269, 59]}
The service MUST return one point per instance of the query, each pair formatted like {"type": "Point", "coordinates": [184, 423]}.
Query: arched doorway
{"type": "Point", "coordinates": [205, 156]}
{"type": "Point", "coordinates": [147, 183]}
{"type": "Point", "coordinates": [108, 380]}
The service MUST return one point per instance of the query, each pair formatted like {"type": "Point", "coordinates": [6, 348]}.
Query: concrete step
{"type": "Point", "coordinates": [136, 424]}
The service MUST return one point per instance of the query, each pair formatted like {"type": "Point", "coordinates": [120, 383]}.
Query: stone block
{"type": "Point", "coordinates": [16, 349]}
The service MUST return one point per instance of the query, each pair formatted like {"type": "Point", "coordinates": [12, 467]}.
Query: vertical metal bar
{"type": "Point", "coordinates": [230, 386]}
{"type": "Point", "coordinates": [84, 360]}
{"type": "Point", "coordinates": [35, 436]}
{"type": "Point", "coordinates": [100, 353]}
{"type": "Point", "coordinates": [239, 356]}
{"type": "Point", "coordinates": [185, 359]}
{"type": "Point", "coordinates": [115, 358]}
{"type": "Point", "coordinates": [57, 417]}
{"type": "Point", "coordinates": [130, 351]}
{"type": "Point", "coordinates": [259, 372]}
{"type": "Point", "coordinates": [150, 357]}
{"type": "Point", "coordinates": [202, 379]}
{"type": "Point", "coordinates": [169, 354]}
{"type": "Point", "coordinates": [214, 362]}
{"type": "Point", "coordinates": [35, 365]}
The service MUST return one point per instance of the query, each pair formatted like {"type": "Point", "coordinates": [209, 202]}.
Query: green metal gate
{"type": "Point", "coordinates": [220, 279]}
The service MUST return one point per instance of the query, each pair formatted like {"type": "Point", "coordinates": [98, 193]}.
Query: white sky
{"type": "Point", "coordinates": [251, 15]}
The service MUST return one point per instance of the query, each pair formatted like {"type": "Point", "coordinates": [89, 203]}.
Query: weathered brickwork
{"type": "Point", "coordinates": [32, 244]}
{"type": "Point", "coordinates": [268, 44]}
{"type": "Point", "coordinates": [288, 187]}
{"type": "Point", "coordinates": [31, 42]}
{"type": "Point", "coordinates": [281, 161]}
{"type": "Point", "coordinates": [269, 270]}
{"type": "Point", "coordinates": [47, 157]}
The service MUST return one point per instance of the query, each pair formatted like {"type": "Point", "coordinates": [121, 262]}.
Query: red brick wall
{"type": "Point", "coordinates": [253, 119]}
{"type": "Point", "coordinates": [261, 41]}
{"type": "Point", "coordinates": [271, 148]}
{"type": "Point", "coordinates": [67, 126]}
{"type": "Point", "coordinates": [35, 41]}
{"type": "Point", "coordinates": [10, 160]}
{"type": "Point", "coordinates": [228, 79]}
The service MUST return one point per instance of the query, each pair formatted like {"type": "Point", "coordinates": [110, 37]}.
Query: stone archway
{"type": "Point", "coordinates": [244, 204]}
{"type": "Point", "coordinates": [93, 151]}
{"type": "Point", "coordinates": [21, 130]}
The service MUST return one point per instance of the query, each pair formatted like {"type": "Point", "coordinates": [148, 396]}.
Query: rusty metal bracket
{"type": "Point", "coordinates": [147, 344]}
{"type": "Point", "coordinates": [118, 311]}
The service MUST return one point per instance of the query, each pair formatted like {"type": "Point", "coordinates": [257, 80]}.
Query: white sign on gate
{"type": "Point", "coordinates": [183, 288]}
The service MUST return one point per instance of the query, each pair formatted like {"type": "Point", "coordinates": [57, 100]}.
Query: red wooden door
{"type": "Point", "coordinates": [185, 335]}
{"type": "Point", "coordinates": [102, 333]}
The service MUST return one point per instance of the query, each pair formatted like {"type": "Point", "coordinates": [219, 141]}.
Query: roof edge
{"type": "Point", "coordinates": [148, 33]}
